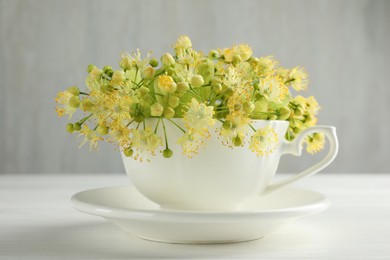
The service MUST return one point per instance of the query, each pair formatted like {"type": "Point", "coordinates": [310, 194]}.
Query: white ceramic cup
{"type": "Point", "coordinates": [219, 178]}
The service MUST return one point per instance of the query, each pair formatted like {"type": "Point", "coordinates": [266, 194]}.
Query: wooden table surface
{"type": "Point", "coordinates": [37, 221]}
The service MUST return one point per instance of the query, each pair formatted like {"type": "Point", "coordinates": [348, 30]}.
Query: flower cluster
{"type": "Point", "coordinates": [227, 86]}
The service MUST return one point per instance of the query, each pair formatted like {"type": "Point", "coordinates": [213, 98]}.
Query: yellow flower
{"type": "Point", "coordinates": [67, 103]}
{"type": "Point", "coordinates": [183, 42]}
{"type": "Point", "coordinates": [144, 142]}
{"type": "Point", "coordinates": [198, 117]}
{"type": "Point", "coordinates": [166, 84]}
{"type": "Point", "coordinates": [191, 142]}
{"type": "Point", "coordinates": [116, 106]}
{"type": "Point", "coordinates": [91, 137]}
{"type": "Point", "coordinates": [242, 50]}
{"type": "Point", "coordinates": [315, 143]}
{"type": "Point", "coordinates": [297, 78]}
{"type": "Point", "coordinates": [266, 65]}
{"type": "Point", "coordinates": [120, 134]}
{"type": "Point", "coordinates": [235, 127]}
{"type": "Point", "coordinates": [274, 88]}
{"type": "Point", "coordinates": [264, 141]}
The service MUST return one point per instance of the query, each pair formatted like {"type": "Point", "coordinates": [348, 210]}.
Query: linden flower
{"type": "Point", "coordinates": [242, 50]}
{"type": "Point", "coordinates": [264, 141]}
{"type": "Point", "coordinates": [315, 143]}
{"type": "Point", "coordinates": [91, 137]}
{"type": "Point", "coordinates": [116, 107]}
{"type": "Point", "coordinates": [67, 103]}
{"type": "Point", "coordinates": [198, 116]}
{"type": "Point", "coordinates": [236, 129]}
{"type": "Point", "coordinates": [166, 84]}
{"type": "Point", "coordinates": [183, 42]}
{"type": "Point", "coordinates": [266, 65]}
{"type": "Point", "coordinates": [310, 104]}
{"type": "Point", "coordinates": [191, 142]}
{"type": "Point", "coordinates": [120, 134]}
{"type": "Point", "coordinates": [297, 78]}
{"type": "Point", "coordinates": [274, 88]}
{"type": "Point", "coordinates": [144, 142]}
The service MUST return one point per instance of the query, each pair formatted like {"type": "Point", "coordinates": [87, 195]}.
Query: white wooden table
{"type": "Point", "coordinates": [37, 221]}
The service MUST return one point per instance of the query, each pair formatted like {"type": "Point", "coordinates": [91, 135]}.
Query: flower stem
{"type": "Point", "coordinates": [85, 119]}
{"type": "Point", "coordinates": [83, 93]}
{"type": "Point", "coordinates": [254, 130]}
{"type": "Point", "coordinates": [158, 123]}
{"type": "Point", "coordinates": [165, 134]}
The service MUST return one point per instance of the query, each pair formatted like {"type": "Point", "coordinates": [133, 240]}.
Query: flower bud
{"type": "Point", "coordinates": [74, 90]}
{"type": "Point", "coordinates": [128, 152]}
{"type": "Point", "coordinates": [217, 88]}
{"type": "Point", "coordinates": [299, 111]}
{"type": "Point", "coordinates": [284, 113]}
{"type": "Point", "coordinates": [272, 117]}
{"type": "Point", "coordinates": [108, 70]}
{"type": "Point", "coordinates": [213, 54]}
{"type": "Point", "coordinates": [236, 59]}
{"type": "Point", "coordinates": [227, 124]}
{"type": "Point", "coordinates": [74, 101]}
{"type": "Point", "coordinates": [90, 67]}
{"type": "Point", "coordinates": [166, 84]}
{"type": "Point", "coordinates": [167, 60]}
{"type": "Point", "coordinates": [126, 63]}
{"type": "Point", "coordinates": [197, 81]}
{"type": "Point", "coordinates": [69, 128]}
{"type": "Point", "coordinates": [237, 141]}
{"type": "Point", "coordinates": [86, 104]}
{"type": "Point", "coordinates": [77, 126]}
{"type": "Point", "coordinates": [102, 130]}
{"type": "Point", "coordinates": [95, 73]}
{"type": "Point", "coordinates": [118, 76]}
{"type": "Point", "coordinates": [153, 62]}
{"type": "Point", "coordinates": [143, 91]}
{"type": "Point", "coordinates": [173, 101]}
{"type": "Point", "coordinates": [216, 81]}
{"type": "Point", "coordinates": [183, 42]}
{"type": "Point", "coordinates": [167, 153]}
{"type": "Point", "coordinates": [248, 107]}
{"type": "Point", "coordinates": [182, 88]}
{"type": "Point", "coordinates": [148, 73]}
{"type": "Point", "coordinates": [169, 112]}
{"type": "Point", "coordinates": [156, 109]}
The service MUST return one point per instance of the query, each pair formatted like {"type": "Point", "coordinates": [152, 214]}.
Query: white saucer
{"type": "Point", "coordinates": [125, 207]}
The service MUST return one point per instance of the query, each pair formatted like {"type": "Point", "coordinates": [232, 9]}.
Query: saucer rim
{"type": "Point", "coordinates": [199, 216]}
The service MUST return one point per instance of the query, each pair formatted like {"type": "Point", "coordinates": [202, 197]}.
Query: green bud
{"type": "Point", "coordinates": [156, 109]}
{"type": "Point", "coordinates": [217, 87]}
{"type": "Point", "coordinates": [248, 107]}
{"type": "Point", "coordinates": [108, 70]}
{"type": "Point", "coordinates": [237, 141]}
{"type": "Point", "coordinates": [197, 81]}
{"type": "Point", "coordinates": [74, 101]}
{"type": "Point", "coordinates": [182, 88]}
{"type": "Point", "coordinates": [90, 67]}
{"type": "Point", "coordinates": [227, 124]}
{"type": "Point", "coordinates": [143, 91]}
{"type": "Point", "coordinates": [74, 90]}
{"type": "Point", "coordinates": [69, 128]}
{"type": "Point", "coordinates": [296, 130]}
{"type": "Point", "coordinates": [284, 113]}
{"type": "Point", "coordinates": [86, 104]}
{"type": "Point", "coordinates": [153, 62]}
{"type": "Point", "coordinates": [148, 73]}
{"type": "Point", "coordinates": [236, 59]}
{"type": "Point", "coordinates": [299, 111]}
{"type": "Point", "coordinates": [229, 92]}
{"type": "Point", "coordinates": [139, 118]}
{"type": "Point", "coordinates": [167, 60]}
{"type": "Point", "coordinates": [77, 126]}
{"type": "Point", "coordinates": [216, 81]}
{"type": "Point", "coordinates": [167, 153]}
{"type": "Point", "coordinates": [213, 54]}
{"type": "Point", "coordinates": [102, 130]}
{"type": "Point", "coordinates": [126, 63]}
{"type": "Point", "coordinates": [169, 112]}
{"type": "Point", "coordinates": [173, 101]}
{"type": "Point", "coordinates": [128, 152]}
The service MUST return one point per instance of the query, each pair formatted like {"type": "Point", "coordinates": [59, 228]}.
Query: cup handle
{"type": "Point", "coordinates": [295, 148]}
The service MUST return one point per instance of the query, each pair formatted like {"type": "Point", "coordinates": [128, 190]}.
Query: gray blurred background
{"type": "Point", "coordinates": [45, 47]}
